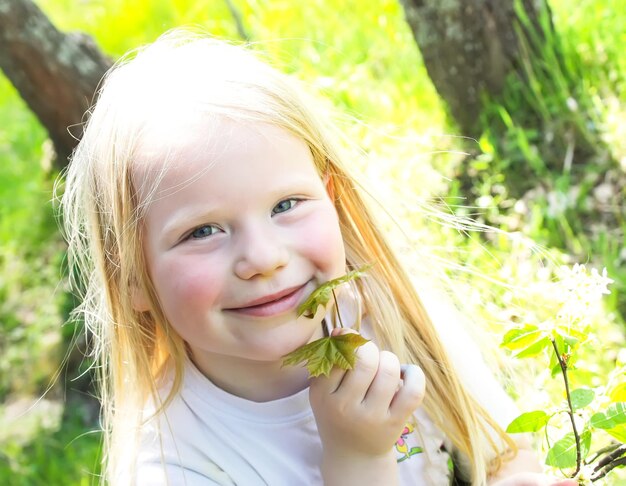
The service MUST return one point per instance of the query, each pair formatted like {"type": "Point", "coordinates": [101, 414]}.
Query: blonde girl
{"type": "Point", "coordinates": [206, 200]}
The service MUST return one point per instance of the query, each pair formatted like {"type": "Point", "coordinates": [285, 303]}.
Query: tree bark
{"type": "Point", "coordinates": [56, 74]}
{"type": "Point", "coordinates": [468, 47]}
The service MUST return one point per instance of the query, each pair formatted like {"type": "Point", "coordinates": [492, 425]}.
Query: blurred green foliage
{"type": "Point", "coordinates": [361, 55]}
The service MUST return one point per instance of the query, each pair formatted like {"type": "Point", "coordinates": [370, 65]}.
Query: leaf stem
{"type": "Point", "coordinates": [570, 410]}
{"type": "Point", "coordinates": [337, 313]}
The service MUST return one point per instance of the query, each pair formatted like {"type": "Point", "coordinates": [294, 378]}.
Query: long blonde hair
{"type": "Point", "coordinates": [184, 73]}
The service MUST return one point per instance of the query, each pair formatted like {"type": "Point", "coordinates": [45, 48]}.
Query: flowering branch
{"type": "Point", "coordinates": [562, 334]}
{"type": "Point", "coordinates": [570, 411]}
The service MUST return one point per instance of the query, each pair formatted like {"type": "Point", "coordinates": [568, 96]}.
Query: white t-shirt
{"type": "Point", "coordinates": [207, 436]}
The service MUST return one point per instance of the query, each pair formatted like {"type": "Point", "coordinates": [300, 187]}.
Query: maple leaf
{"type": "Point", "coordinates": [322, 294]}
{"type": "Point", "coordinates": [325, 353]}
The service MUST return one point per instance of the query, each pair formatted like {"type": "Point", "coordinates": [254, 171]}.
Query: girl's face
{"type": "Point", "coordinates": [240, 231]}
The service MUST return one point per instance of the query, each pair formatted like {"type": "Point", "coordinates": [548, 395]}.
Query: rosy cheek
{"type": "Point", "coordinates": [186, 285]}
{"type": "Point", "coordinates": [323, 242]}
{"type": "Point", "coordinates": [196, 287]}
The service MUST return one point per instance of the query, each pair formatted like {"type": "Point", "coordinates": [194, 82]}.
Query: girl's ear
{"type": "Point", "coordinates": [139, 299]}
{"type": "Point", "coordinates": [330, 186]}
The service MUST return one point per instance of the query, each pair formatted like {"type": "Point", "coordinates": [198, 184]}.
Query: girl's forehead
{"type": "Point", "coordinates": [171, 140]}
{"type": "Point", "coordinates": [174, 152]}
{"type": "Point", "coordinates": [171, 131]}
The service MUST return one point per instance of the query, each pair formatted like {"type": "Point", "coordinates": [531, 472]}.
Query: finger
{"type": "Point", "coordinates": [411, 392]}
{"type": "Point", "coordinates": [326, 385]}
{"type": "Point", "coordinates": [338, 331]}
{"type": "Point", "coordinates": [385, 383]}
{"type": "Point", "coordinates": [356, 381]}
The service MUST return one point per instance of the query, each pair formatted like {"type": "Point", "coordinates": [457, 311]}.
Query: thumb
{"type": "Point", "coordinates": [340, 331]}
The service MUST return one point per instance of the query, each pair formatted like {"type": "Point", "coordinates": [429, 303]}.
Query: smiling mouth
{"type": "Point", "coordinates": [274, 304]}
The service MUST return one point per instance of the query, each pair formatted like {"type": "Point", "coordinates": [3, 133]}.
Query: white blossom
{"type": "Point", "coordinates": [578, 290]}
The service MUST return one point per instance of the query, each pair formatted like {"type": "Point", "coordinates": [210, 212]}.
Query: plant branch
{"type": "Point", "coordinates": [241, 30]}
{"type": "Point", "coordinates": [609, 467]}
{"type": "Point", "coordinates": [620, 451]}
{"type": "Point", "coordinates": [608, 449]}
{"type": "Point", "coordinates": [570, 410]}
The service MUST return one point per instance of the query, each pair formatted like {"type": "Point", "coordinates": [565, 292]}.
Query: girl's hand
{"type": "Point", "coordinates": [533, 479]}
{"type": "Point", "coordinates": [360, 414]}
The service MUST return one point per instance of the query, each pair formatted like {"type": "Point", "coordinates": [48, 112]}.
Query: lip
{"type": "Point", "coordinates": [272, 304]}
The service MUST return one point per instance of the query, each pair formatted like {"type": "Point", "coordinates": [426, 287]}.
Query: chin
{"type": "Point", "coordinates": [275, 348]}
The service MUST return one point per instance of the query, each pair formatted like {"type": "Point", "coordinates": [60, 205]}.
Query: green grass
{"type": "Point", "coordinates": [67, 456]}
{"type": "Point", "coordinates": [551, 150]}
{"type": "Point", "coordinates": [360, 55]}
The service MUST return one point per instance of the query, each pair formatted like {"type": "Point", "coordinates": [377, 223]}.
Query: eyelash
{"type": "Point", "coordinates": [294, 199]}
{"type": "Point", "coordinates": [191, 233]}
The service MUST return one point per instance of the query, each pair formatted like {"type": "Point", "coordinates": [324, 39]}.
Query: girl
{"type": "Point", "coordinates": [204, 203]}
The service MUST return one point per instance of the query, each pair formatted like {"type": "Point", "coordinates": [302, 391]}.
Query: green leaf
{"type": "Point", "coordinates": [571, 336]}
{"type": "Point", "coordinates": [556, 370]}
{"type": "Point", "coordinates": [534, 349]}
{"type": "Point", "coordinates": [528, 422]}
{"type": "Point", "coordinates": [321, 295]}
{"type": "Point", "coordinates": [563, 452]}
{"type": "Point", "coordinates": [601, 421]}
{"type": "Point", "coordinates": [618, 432]}
{"type": "Point", "coordinates": [527, 340]}
{"type": "Point", "coordinates": [618, 393]}
{"type": "Point", "coordinates": [323, 354]}
{"type": "Point", "coordinates": [520, 337]}
{"type": "Point", "coordinates": [613, 416]}
{"type": "Point", "coordinates": [581, 397]}
{"type": "Point", "coordinates": [585, 444]}
{"type": "Point", "coordinates": [617, 412]}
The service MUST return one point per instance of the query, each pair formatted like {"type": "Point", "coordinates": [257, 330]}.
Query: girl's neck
{"type": "Point", "coordinates": [269, 381]}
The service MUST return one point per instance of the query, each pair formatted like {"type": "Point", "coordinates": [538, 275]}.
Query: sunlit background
{"type": "Point", "coordinates": [423, 174]}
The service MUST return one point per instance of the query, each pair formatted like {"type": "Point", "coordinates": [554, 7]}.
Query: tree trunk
{"type": "Point", "coordinates": [468, 47]}
{"type": "Point", "coordinates": [57, 74]}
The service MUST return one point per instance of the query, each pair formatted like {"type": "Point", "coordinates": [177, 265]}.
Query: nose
{"type": "Point", "coordinates": [261, 253]}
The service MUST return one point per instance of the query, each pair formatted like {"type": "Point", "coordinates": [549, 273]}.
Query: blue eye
{"type": "Point", "coordinates": [203, 232]}
{"type": "Point", "coordinates": [283, 206]}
